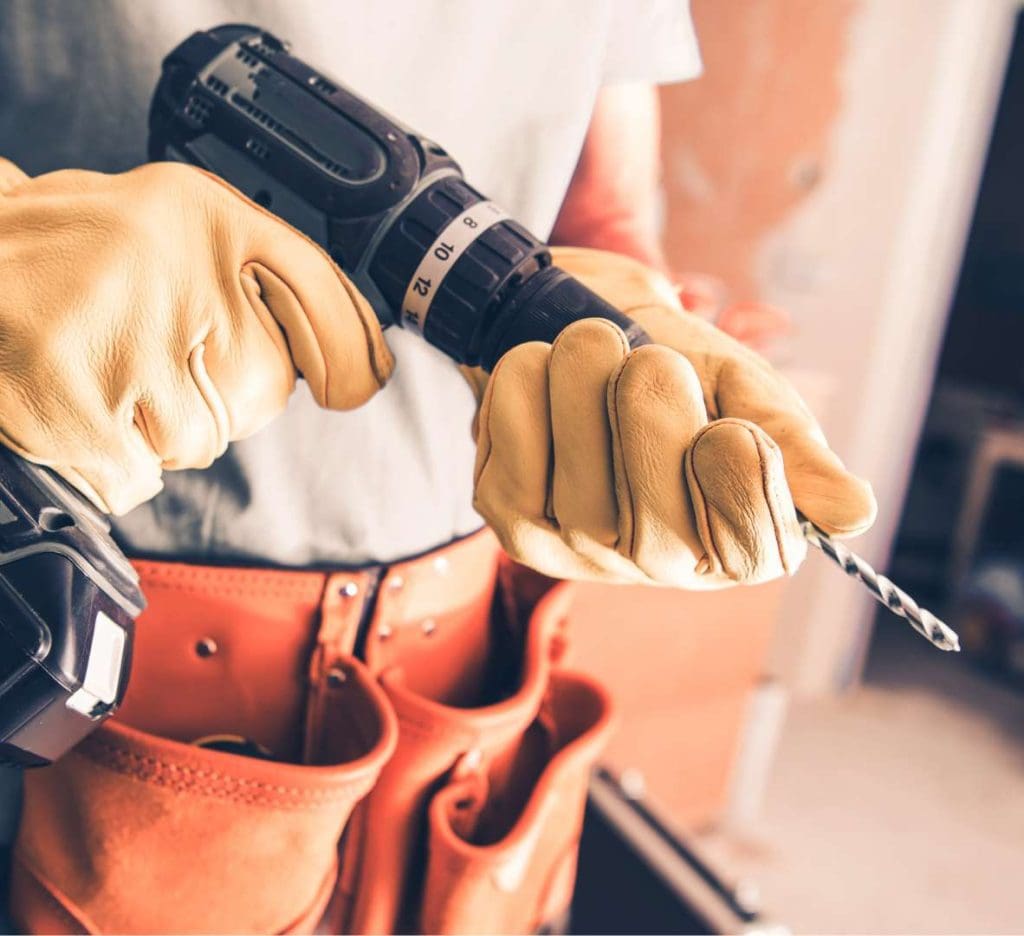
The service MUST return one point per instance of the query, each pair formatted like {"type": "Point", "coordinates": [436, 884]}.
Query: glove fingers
{"type": "Point", "coordinates": [248, 368]}
{"type": "Point", "coordinates": [89, 436]}
{"type": "Point", "coordinates": [153, 315]}
{"type": "Point", "coordinates": [123, 474]}
{"type": "Point", "coordinates": [824, 491]}
{"type": "Point", "coordinates": [115, 469]}
{"type": "Point", "coordinates": [10, 176]}
{"type": "Point", "coordinates": [828, 495]}
{"type": "Point", "coordinates": [742, 505]}
{"type": "Point", "coordinates": [183, 416]}
{"type": "Point", "coordinates": [513, 464]}
{"type": "Point", "coordinates": [514, 442]}
{"type": "Point", "coordinates": [584, 359]}
{"type": "Point", "coordinates": [656, 406]}
{"type": "Point", "coordinates": [333, 334]}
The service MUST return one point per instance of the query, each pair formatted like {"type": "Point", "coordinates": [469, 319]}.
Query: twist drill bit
{"type": "Point", "coordinates": [893, 597]}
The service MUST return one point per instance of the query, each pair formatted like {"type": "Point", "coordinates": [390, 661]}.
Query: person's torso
{"type": "Point", "coordinates": [506, 87]}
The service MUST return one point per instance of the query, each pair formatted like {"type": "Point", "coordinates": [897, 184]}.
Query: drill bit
{"type": "Point", "coordinates": [893, 597]}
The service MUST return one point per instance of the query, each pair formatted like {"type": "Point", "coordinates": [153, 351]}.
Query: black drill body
{"type": "Point", "coordinates": [391, 207]}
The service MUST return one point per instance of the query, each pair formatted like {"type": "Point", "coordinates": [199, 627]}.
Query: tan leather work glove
{"type": "Point", "coordinates": [678, 463]}
{"type": "Point", "coordinates": [149, 318]}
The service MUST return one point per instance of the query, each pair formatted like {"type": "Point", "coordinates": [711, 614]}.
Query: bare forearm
{"type": "Point", "coordinates": [612, 199]}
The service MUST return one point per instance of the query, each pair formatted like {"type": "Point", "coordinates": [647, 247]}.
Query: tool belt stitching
{"type": "Point", "coordinates": [249, 590]}
{"type": "Point", "coordinates": [180, 577]}
{"type": "Point", "coordinates": [160, 568]}
{"type": "Point", "coordinates": [154, 770]}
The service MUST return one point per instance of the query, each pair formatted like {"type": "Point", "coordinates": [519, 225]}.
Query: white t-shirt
{"type": "Point", "coordinates": [506, 86]}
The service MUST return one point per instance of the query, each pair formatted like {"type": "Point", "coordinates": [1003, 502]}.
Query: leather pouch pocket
{"type": "Point", "coordinates": [502, 846]}
{"type": "Point", "coordinates": [439, 742]}
{"type": "Point", "coordinates": [133, 833]}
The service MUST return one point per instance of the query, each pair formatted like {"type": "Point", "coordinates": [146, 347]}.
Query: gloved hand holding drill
{"type": "Point", "coordinates": [677, 464]}
{"type": "Point", "coordinates": [150, 318]}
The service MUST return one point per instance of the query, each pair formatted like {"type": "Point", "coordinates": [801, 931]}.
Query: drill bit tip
{"type": "Point", "coordinates": [942, 636]}
{"type": "Point", "coordinates": [885, 591]}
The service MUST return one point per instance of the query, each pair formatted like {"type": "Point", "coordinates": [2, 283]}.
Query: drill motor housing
{"type": "Point", "coordinates": [390, 206]}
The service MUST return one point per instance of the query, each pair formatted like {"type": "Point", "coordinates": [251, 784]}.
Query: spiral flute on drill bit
{"type": "Point", "coordinates": [889, 594]}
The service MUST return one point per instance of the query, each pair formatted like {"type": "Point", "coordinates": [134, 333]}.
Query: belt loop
{"type": "Point", "coordinates": [341, 608]}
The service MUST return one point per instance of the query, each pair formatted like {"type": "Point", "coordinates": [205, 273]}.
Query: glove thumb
{"type": "Point", "coordinates": [332, 333]}
{"type": "Point", "coordinates": [824, 490]}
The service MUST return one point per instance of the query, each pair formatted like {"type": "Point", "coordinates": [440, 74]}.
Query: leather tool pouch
{"type": "Point", "coordinates": [449, 772]}
{"type": "Point", "coordinates": [140, 831]}
{"type": "Point", "coordinates": [475, 822]}
{"type": "Point", "coordinates": [502, 857]}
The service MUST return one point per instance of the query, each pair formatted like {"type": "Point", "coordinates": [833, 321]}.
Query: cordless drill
{"type": "Point", "coordinates": [390, 207]}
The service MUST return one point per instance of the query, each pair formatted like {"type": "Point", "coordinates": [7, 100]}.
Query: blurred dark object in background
{"type": "Point", "coordinates": [985, 335]}
{"type": "Point", "coordinates": [989, 615]}
{"type": "Point", "coordinates": [961, 539]}
{"type": "Point", "coordinates": [638, 874]}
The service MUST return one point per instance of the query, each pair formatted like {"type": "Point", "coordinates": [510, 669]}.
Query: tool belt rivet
{"type": "Point", "coordinates": [206, 647]}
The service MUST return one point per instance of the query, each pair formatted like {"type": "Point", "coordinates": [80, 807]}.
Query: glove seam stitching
{"type": "Point", "coordinates": [618, 455]}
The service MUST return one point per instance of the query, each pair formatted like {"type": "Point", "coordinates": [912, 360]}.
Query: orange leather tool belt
{"type": "Point", "coordinates": [414, 759]}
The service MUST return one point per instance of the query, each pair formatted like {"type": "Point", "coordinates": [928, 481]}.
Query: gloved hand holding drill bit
{"type": "Point", "coordinates": [149, 318]}
{"type": "Point", "coordinates": [681, 463]}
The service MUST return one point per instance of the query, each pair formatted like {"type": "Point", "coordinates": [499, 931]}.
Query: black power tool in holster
{"type": "Point", "coordinates": [391, 207]}
{"type": "Point", "coordinates": [68, 600]}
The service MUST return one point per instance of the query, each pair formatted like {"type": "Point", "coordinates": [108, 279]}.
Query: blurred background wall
{"type": "Point", "coordinates": [827, 162]}
{"type": "Point", "coordinates": [859, 164]}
